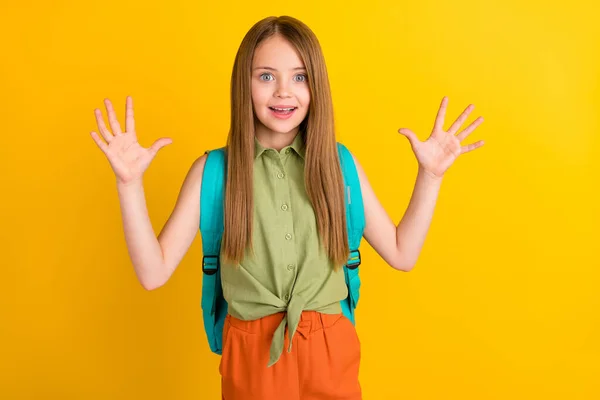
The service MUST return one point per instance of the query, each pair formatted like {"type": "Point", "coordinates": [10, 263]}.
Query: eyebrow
{"type": "Point", "coordinates": [273, 69]}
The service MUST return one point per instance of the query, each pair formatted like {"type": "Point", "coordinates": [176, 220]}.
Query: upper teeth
{"type": "Point", "coordinates": [282, 109]}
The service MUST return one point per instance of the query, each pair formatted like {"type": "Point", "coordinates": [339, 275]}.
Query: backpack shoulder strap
{"type": "Point", "coordinates": [355, 225]}
{"type": "Point", "coordinates": [214, 307]}
{"type": "Point", "coordinates": [211, 206]}
{"type": "Point", "coordinates": [354, 203]}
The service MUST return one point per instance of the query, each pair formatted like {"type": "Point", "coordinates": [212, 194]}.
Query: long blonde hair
{"type": "Point", "coordinates": [322, 174]}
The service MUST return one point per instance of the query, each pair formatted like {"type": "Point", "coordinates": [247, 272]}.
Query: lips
{"type": "Point", "coordinates": [282, 112]}
{"type": "Point", "coordinates": [282, 108]}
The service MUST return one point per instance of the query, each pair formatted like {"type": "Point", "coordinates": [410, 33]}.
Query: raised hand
{"type": "Point", "coordinates": [128, 159]}
{"type": "Point", "coordinates": [438, 152]}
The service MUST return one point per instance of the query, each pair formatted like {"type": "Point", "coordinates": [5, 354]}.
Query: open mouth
{"type": "Point", "coordinates": [283, 112]}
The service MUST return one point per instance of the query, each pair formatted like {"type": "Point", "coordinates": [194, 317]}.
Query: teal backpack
{"type": "Point", "coordinates": [214, 306]}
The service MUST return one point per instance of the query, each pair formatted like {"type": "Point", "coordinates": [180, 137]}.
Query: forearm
{"type": "Point", "coordinates": [142, 244]}
{"type": "Point", "coordinates": [413, 228]}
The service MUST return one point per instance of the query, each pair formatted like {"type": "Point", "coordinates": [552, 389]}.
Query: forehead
{"type": "Point", "coordinates": [277, 52]}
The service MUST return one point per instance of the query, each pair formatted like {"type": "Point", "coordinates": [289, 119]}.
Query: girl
{"type": "Point", "coordinates": [284, 238]}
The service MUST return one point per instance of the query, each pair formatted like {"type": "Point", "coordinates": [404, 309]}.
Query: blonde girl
{"type": "Point", "coordinates": [284, 238]}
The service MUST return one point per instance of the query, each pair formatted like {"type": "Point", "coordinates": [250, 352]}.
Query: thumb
{"type": "Point", "coordinates": [410, 135]}
{"type": "Point", "coordinates": [159, 144]}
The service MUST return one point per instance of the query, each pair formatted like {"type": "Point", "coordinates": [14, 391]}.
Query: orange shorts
{"type": "Point", "coordinates": [323, 363]}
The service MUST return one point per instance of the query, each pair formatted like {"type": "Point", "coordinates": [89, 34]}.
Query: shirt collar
{"type": "Point", "coordinates": [298, 145]}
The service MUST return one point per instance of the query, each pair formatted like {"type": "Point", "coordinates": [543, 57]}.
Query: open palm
{"type": "Point", "coordinates": [127, 157]}
{"type": "Point", "coordinates": [438, 152]}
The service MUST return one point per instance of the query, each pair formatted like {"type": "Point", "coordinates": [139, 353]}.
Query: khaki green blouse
{"type": "Point", "coordinates": [290, 270]}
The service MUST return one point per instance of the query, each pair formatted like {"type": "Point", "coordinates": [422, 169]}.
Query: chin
{"type": "Point", "coordinates": [281, 126]}
{"type": "Point", "coordinates": [282, 129]}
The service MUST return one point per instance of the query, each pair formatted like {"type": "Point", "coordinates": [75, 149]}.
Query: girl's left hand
{"type": "Point", "coordinates": [438, 152]}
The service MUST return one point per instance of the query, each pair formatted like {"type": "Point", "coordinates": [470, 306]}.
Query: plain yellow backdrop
{"type": "Point", "coordinates": [504, 301]}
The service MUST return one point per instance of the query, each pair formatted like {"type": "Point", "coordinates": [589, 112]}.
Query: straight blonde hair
{"type": "Point", "coordinates": [322, 174]}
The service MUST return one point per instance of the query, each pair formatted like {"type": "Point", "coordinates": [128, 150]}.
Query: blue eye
{"type": "Point", "coordinates": [267, 74]}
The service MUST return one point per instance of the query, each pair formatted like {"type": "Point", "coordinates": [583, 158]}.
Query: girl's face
{"type": "Point", "coordinates": [280, 92]}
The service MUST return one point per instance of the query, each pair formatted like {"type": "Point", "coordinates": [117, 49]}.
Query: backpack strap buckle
{"type": "Point", "coordinates": [212, 266]}
{"type": "Point", "coordinates": [354, 259]}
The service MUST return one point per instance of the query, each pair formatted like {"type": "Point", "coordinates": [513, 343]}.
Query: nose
{"type": "Point", "coordinates": [283, 90]}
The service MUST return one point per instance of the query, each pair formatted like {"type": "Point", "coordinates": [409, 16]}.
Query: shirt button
{"type": "Point", "coordinates": [280, 175]}
{"type": "Point", "coordinates": [284, 207]}
{"type": "Point", "coordinates": [287, 151]}
{"type": "Point", "coordinates": [288, 236]}
{"type": "Point", "coordinates": [287, 296]}
{"type": "Point", "coordinates": [290, 267]}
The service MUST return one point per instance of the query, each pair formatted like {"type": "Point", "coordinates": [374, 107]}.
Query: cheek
{"type": "Point", "coordinates": [304, 96]}
{"type": "Point", "coordinates": [258, 95]}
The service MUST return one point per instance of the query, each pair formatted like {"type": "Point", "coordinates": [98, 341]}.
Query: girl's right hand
{"type": "Point", "coordinates": [128, 159]}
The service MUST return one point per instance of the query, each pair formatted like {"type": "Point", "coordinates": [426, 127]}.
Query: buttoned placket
{"type": "Point", "coordinates": [283, 201]}
{"type": "Point", "coordinates": [284, 211]}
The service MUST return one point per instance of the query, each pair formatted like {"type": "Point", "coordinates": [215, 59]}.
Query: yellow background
{"type": "Point", "coordinates": [504, 302]}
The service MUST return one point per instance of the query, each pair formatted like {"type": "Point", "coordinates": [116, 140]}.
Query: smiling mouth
{"type": "Point", "coordinates": [283, 110]}
{"type": "Point", "coordinates": [283, 113]}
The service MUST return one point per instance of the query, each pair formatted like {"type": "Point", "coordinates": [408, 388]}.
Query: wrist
{"type": "Point", "coordinates": [428, 176]}
{"type": "Point", "coordinates": [126, 185]}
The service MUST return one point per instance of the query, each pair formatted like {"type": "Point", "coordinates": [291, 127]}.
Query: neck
{"type": "Point", "coordinates": [275, 140]}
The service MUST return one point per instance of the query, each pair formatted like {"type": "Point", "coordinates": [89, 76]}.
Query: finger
{"type": "Point", "coordinates": [471, 147]}
{"type": "Point", "coordinates": [102, 126]}
{"type": "Point", "coordinates": [467, 131]}
{"type": "Point", "coordinates": [129, 121]}
{"type": "Point", "coordinates": [99, 142]}
{"type": "Point", "coordinates": [159, 144]}
{"type": "Point", "coordinates": [112, 118]}
{"type": "Point", "coordinates": [441, 115]}
{"type": "Point", "coordinates": [460, 120]}
{"type": "Point", "coordinates": [410, 135]}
